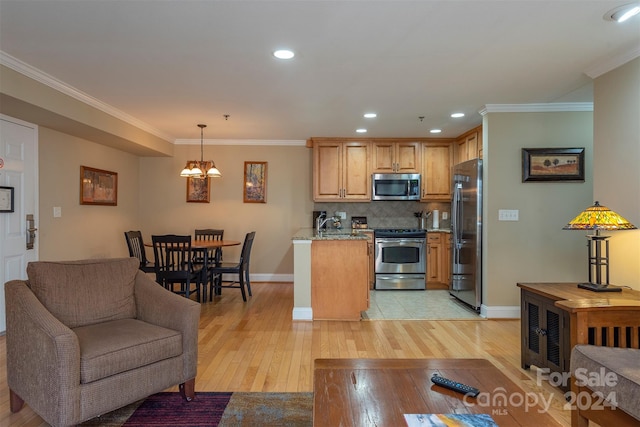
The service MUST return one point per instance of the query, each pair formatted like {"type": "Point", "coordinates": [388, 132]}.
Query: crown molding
{"type": "Point", "coordinates": [600, 68]}
{"type": "Point", "coordinates": [282, 142]}
{"type": "Point", "coordinates": [536, 108]}
{"type": "Point", "coordinates": [35, 74]}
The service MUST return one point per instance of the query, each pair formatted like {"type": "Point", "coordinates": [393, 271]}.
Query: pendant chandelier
{"type": "Point", "coordinates": [201, 168]}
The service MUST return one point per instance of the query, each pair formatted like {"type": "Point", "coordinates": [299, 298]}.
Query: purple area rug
{"type": "Point", "coordinates": [170, 409]}
{"type": "Point", "coordinates": [213, 409]}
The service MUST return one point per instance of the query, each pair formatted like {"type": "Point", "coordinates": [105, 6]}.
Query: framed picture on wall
{"type": "Point", "coordinates": [198, 189]}
{"type": "Point", "coordinates": [255, 182]}
{"type": "Point", "coordinates": [552, 164]}
{"type": "Point", "coordinates": [98, 187]}
{"type": "Point", "coordinates": [6, 199]}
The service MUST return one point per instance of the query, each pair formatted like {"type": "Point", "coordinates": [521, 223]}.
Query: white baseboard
{"type": "Point", "coordinates": [302, 313]}
{"type": "Point", "coordinates": [264, 277]}
{"type": "Point", "coordinates": [272, 277]}
{"type": "Point", "coordinates": [500, 311]}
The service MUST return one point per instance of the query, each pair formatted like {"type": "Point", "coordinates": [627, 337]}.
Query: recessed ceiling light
{"type": "Point", "coordinates": [284, 54]}
{"type": "Point", "coordinates": [457, 115]}
{"type": "Point", "coordinates": [622, 13]}
{"type": "Point", "coordinates": [435, 130]}
{"type": "Point", "coordinates": [361, 130]}
{"type": "Point", "coordinates": [370, 115]}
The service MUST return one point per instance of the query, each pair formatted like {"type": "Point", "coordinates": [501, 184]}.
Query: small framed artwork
{"type": "Point", "coordinates": [198, 189]}
{"type": "Point", "coordinates": [552, 164]}
{"type": "Point", "coordinates": [255, 182]}
{"type": "Point", "coordinates": [98, 187]}
{"type": "Point", "coordinates": [6, 199]}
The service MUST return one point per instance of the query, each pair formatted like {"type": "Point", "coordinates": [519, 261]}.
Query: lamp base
{"type": "Point", "coordinates": [595, 287]}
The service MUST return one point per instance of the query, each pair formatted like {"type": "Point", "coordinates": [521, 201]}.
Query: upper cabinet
{"type": "Point", "coordinates": [469, 145]}
{"type": "Point", "coordinates": [437, 160]}
{"type": "Point", "coordinates": [341, 170]}
{"type": "Point", "coordinates": [342, 167]}
{"type": "Point", "coordinates": [395, 157]}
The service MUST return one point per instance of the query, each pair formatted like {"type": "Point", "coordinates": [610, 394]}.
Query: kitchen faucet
{"type": "Point", "coordinates": [322, 219]}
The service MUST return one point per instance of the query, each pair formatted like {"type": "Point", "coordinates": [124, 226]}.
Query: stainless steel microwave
{"type": "Point", "coordinates": [395, 186]}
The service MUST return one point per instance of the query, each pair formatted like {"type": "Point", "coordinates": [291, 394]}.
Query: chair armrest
{"type": "Point", "coordinates": [158, 306]}
{"type": "Point", "coordinates": [43, 355]}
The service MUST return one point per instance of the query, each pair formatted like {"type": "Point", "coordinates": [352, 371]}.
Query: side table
{"type": "Point", "coordinates": [546, 326]}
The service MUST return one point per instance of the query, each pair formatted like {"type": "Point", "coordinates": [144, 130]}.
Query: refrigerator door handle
{"type": "Point", "coordinates": [457, 217]}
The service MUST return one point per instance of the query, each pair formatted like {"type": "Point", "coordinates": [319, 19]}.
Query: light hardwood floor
{"type": "Point", "coordinates": [255, 346]}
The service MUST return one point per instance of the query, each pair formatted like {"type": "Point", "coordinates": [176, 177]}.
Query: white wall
{"type": "Point", "coordinates": [616, 165]}
{"type": "Point", "coordinates": [535, 248]}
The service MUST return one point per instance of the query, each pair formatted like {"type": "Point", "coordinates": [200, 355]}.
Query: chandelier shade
{"type": "Point", "coordinates": [201, 168]}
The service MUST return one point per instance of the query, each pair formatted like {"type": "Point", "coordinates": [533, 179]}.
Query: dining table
{"type": "Point", "coordinates": [204, 246]}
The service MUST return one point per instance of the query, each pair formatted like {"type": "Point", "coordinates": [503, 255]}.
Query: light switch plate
{"type": "Point", "coordinates": [508, 214]}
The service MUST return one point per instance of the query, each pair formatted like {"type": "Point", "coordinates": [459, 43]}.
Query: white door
{"type": "Point", "coordinates": [18, 174]}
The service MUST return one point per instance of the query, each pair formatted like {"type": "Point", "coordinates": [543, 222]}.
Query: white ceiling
{"type": "Point", "coordinates": [173, 64]}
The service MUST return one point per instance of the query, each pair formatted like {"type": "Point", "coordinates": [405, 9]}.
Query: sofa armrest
{"type": "Point", "coordinates": [43, 355]}
{"type": "Point", "coordinates": [158, 306]}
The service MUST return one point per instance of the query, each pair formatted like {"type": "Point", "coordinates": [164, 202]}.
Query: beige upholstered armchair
{"type": "Point", "coordinates": [88, 337]}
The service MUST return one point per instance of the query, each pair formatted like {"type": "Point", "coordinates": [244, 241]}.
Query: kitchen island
{"type": "Point", "coordinates": [330, 274]}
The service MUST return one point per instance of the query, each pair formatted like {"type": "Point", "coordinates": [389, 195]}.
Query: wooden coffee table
{"type": "Point", "coordinates": [363, 392]}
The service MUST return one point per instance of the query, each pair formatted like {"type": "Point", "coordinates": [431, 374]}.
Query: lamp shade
{"type": "Point", "coordinates": [598, 217]}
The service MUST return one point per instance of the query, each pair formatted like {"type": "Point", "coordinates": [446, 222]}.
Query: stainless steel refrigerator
{"type": "Point", "coordinates": [466, 233]}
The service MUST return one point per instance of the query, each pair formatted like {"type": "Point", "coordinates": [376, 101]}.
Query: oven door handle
{"type": "Point", "coordinates": [400, 240]}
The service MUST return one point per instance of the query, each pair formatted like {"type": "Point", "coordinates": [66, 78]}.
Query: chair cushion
{"type": "Point", "coordinates": [117, 346]}
{"type": "Point", "coordinates": [621, 364]}
{"type": "Point", "coordinates": [85, 292]}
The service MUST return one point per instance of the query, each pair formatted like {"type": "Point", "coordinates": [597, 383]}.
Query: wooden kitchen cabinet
{"type": "Point", "coordinates": [446, 258]}
{"type": "Point", "coordinates": [395, 157]}
{"type": "Point", "coordinates": [341, 171]}
{"type": "Point", "coordinates": [437, 162]}
{"type": "Point", "coordinates": [339, 279]}
{"type": "Point", "coordinates": [438, 260]}
{"type": "Point", "coordinates": [434, 258]}
{"type": "Point", "coordinates": [372, 258]}
{"type": "Point", "coordinates": [467, 145]}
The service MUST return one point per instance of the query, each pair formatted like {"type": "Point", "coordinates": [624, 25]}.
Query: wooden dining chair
{"type": "Point", "coordinates": [174, 264]}
{"type": "Point", "coordinates": [239, 270]}
{"type": "Point", "coordinates": [214, 256]}
{"type": "Point", "coordinates": [136, 250]}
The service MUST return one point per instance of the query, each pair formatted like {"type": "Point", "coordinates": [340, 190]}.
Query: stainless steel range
{"type": "Point", "coordinates": [400, 258]}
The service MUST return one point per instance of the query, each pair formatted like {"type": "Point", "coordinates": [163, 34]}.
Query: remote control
{"type": "Point", "coordinates": [454, 385]}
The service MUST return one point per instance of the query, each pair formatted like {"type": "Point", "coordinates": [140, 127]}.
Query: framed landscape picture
{"type": "Point", "coordinates": [255, 182]}
{"type": "Point", "coordinates": [552, 164]}
{"type": "Point", "coordinates": [98, 187]}
{"type": "Point", "coordinates": [198, 190]}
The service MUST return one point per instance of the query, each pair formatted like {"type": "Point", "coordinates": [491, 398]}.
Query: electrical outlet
{"type": "Point", "coordinates": [57, 211]}
{"type": "Point", "coordinates": [508, 214]}
{"type": "Point", "coordinates": [445, 215]}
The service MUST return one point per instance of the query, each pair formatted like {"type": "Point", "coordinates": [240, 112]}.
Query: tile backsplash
{"type": "Point", "coordinates": [388, 214]}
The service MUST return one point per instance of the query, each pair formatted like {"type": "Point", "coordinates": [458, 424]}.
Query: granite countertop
{"type": "Point", "coordinates": [309, 233]}
{"type": "Point", "coordinates": [332, 234]}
